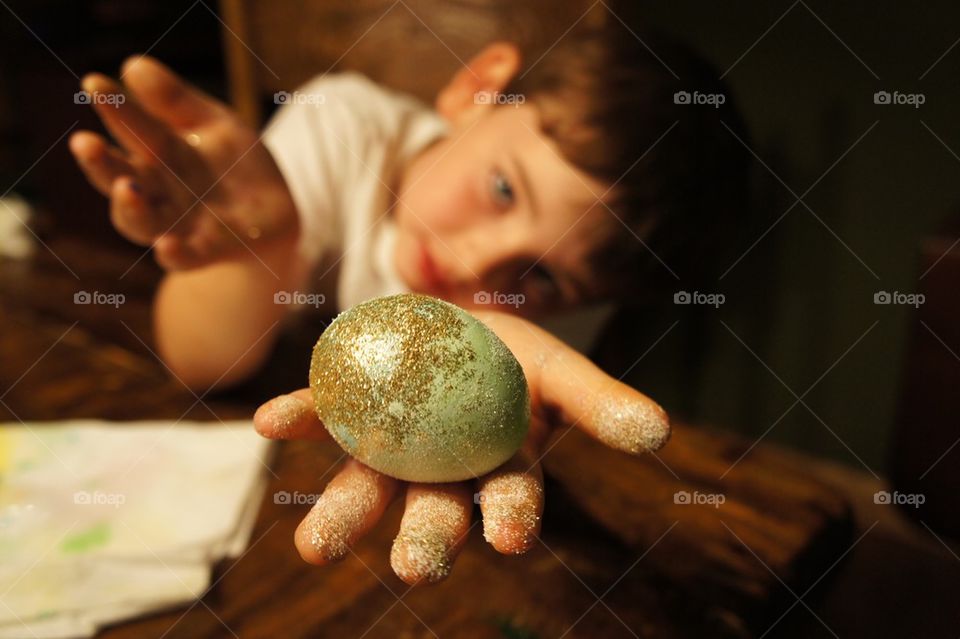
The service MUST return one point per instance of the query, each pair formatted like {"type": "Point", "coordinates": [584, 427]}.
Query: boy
{"type": "Point", "coordinates": [535, 189]}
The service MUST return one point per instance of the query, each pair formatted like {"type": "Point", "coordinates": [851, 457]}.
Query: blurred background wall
{"type": "Point", "coordinates": [883, 177]}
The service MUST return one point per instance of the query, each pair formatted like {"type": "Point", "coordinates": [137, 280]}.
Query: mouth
{"type": "Point", "coordinates": [430, 273]}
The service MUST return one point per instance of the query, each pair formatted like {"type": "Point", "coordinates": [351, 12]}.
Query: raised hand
{"type": "Point", "coordinates": [188, 178]}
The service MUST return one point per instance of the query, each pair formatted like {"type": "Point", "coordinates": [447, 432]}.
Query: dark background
{"type": "Point", "coordinates": [808, 285]}
{"type": "Point", "coordinates": [800, 308]}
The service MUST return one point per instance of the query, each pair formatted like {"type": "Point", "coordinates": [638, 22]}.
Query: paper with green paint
{"type": "Point", "coordinates": [100, 521]}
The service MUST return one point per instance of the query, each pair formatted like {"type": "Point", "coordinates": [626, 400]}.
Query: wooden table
{"type": "Point", "coordinates": [618, 556]}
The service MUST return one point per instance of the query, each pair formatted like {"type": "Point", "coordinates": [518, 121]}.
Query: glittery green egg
{"type": "Point", "coordinates": [419, 389]}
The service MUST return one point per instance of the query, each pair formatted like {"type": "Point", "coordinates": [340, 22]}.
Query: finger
{"type": "Point", "coordinates": [290, 417]}
{"type": "Point", "coordinates": [511, 500]}
{"type": "Point", "coordinates": [623, 418]}
{"type": "Point", "coordinates": [433, 530]}
{"type": "Point", "coordinates": [129, 211]}
{"type": "Point", "coordinates": [100, 162]}
{"type": "Point", "coordinates": [349, 507]}
{"type": "Point", "coordinates": [167, 96]}
{"type": "Point", "coordinates": [566, 385]}
{"type": "Point", "coordinates": [606, 409]}
{"type": "Point", "coordinates": [130, 125]}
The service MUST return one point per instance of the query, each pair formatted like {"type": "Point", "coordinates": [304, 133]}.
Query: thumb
{"type": "Point", "coordinates": [167, 96]}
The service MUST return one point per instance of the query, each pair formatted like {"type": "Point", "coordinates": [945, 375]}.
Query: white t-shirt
{"type": "Point", "coordinates": [340, 142]}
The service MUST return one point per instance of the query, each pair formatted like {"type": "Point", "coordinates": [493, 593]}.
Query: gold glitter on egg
{"type": "Point", "coordinates": [418, 389]}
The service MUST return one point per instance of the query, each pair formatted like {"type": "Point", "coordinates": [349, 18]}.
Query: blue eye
{"type": "Point", "coordinates": [500, 189]}
{"type": "Point", "coordinates": [543, 282]}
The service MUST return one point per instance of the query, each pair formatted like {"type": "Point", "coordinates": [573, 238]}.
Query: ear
{"type": "Point", "coordinates": [490, 70]}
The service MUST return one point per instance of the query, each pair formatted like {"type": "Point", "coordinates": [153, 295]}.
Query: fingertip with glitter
{"type": "Point", "coordinates": [351, 505]}
{"type": "Point", "coordinates": [288, 416]}
{"type": "Point", "coordinates": [433, 530]}
{"type": "Point", "coordinates": [512, 506]}
{"type": "Point", "coordinates": [634, 426]}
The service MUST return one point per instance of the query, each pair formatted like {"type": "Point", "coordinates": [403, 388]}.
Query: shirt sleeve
{"type": "Point", "coordinates": [339, 141]}
{"type": "Point", "coordinates": [309, 137]}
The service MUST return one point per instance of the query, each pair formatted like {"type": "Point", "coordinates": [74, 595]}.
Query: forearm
{"type": "Point", "coordinates": [217, 325]}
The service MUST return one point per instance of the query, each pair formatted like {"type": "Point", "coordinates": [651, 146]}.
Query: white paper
{"type": "Point", "coordinates": [101, 521]}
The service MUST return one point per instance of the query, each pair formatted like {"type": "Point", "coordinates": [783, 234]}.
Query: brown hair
{"type": "Point", "coordinates": [606, 96]}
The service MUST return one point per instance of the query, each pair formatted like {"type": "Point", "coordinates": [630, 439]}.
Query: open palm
{"type": "Point", "coordinates": [566, 389]}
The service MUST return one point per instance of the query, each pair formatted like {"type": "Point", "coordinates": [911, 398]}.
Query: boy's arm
{"type": "Point", "coordinates": [215, 326]}
{"type": "Point", "coordinates": [202, 190]}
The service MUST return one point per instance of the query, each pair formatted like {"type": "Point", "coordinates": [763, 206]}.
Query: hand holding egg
{"type": "Point", "coordinates": [562, 387]}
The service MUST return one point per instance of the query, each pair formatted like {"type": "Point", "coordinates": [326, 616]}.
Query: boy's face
{"type": "Point", "coordinates": [493, 216]}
